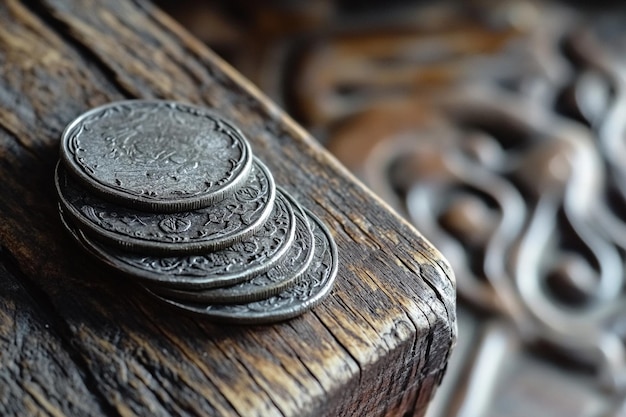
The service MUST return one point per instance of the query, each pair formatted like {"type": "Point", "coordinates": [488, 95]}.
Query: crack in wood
{"type": "Point", "coordinates": [56, 325]}
{"type": "Point", "coordinates": [47, 15]}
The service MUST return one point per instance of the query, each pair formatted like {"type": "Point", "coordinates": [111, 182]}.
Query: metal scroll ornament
{"type": "Point", "coordinates": [170, 195]}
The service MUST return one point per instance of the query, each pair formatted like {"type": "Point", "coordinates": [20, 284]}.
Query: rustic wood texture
{"type": "Point", "coordinates": [77, 340]}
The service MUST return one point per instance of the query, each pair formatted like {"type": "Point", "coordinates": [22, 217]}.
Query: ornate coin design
{"type": "Point", "coordinates": [315, 284]}
{"type": "Point", "coordinates": [288, 270]}
{"type": "Point", "coordinates": [213, 227]}
{"type": "Point", "coordinates": [156, 155]}
{"type": "Point", "coordinates": [170, 195]}
{"type": "Point", "coordinates": [227, 266]}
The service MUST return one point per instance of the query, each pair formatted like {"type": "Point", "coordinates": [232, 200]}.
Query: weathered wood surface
{"type": "Point", "coordinates": [75, 340]}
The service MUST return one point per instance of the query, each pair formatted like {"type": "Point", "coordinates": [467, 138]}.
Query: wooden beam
{"type": "Point", "coordinates": [377, 346]}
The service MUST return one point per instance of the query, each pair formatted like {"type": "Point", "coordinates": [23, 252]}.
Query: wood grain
{"type": "Point", "coordinates": [377, 346]}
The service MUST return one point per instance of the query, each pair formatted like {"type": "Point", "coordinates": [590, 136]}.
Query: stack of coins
{"type": "Point", "coordinates": [171, 196]}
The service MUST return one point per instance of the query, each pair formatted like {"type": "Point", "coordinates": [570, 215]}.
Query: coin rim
{"type": "Point", "coordinates": [100, 252]}
{"type": "Point", "coordinates": [133, 244]}
{"type": "Point", "coordinates": [223, 295]}
{"type": "Point", "coordinates": [269, 317]}
{"type": "Point", "coordinates": [136, 201]}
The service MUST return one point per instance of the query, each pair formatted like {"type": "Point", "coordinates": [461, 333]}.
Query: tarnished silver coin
{"type": "Point", "coordinates": [156, 155]}
{"type": "Point", "coordinates": [314, 285]}
{"type": "Point", "coordinates": [219, 225]}
{"type": "Point", "coordinates": [228, 266]}
{"type": "Point", "coordinates": [288, 270]}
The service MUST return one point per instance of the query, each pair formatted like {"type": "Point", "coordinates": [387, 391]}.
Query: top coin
{"type": "Point", "coordinates": [156, 155]}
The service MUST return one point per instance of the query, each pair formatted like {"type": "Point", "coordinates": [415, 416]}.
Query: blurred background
{"type": "Point", "coordinates": [498, 127]}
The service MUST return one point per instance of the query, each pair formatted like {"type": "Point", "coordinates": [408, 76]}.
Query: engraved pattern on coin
{"type": "Point", "coordinates": [156, 154]}
{"type": "Point", "coordinates": [314, 286]}
{"type": "Point", "coordinates": [227, 266]}
{"type": "Point", "coordinates": [216, 226]}
{"type": "Point", "coordinates": [285, 273]}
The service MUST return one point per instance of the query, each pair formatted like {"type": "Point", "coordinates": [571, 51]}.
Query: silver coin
{"type": "Point", "coordinates": [312, 288]}
{"type": "Point", "coordinates": [228, 266]}
{"type": "Point", "coordinates": [156, 155]}
{"type": "Point", "coordinates": [290, 268]}
{"type": "Point", "coordinates": [216, 226]}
